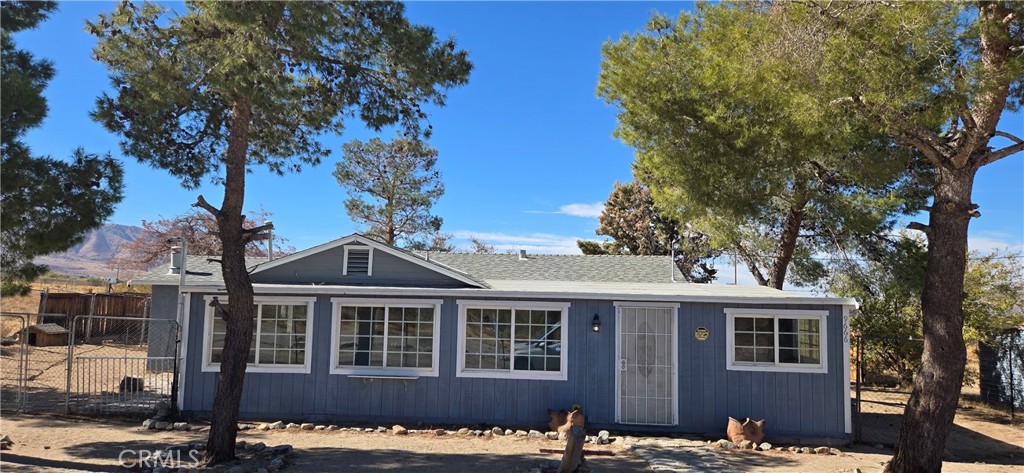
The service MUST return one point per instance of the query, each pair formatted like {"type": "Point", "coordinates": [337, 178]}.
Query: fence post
{"type": "Point", "coordinates": [1013, 387]}
{"type": "Point", "coordinates": [88, 323]}
{"type": "Point", "coordinates": [42, 300]}
{"type": "Point", "coordinates": [71, 356]}
{"type": "Point", "coordinates": [860, 374]}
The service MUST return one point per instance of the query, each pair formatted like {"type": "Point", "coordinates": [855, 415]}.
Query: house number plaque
{"type": "Point", "coordinates": [701, 333]}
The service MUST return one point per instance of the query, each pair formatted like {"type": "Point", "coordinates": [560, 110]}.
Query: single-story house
{"type": "Point", "coordinates": [358, 331]}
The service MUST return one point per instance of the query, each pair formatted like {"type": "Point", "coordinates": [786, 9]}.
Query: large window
{"type": "Point", "coordinates": [282, 328]}
{"type": "Point", "coordinates": [512, 340]}
{"type": "Point", "coordinates": [385, 337]}
{"type": "Point", "coordinates": [777, 340]}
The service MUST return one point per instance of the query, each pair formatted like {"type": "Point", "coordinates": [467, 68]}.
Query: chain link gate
{"type": "Point", "coordinates": [36, 354]}
{"type": "Point", "coordinates": [121, 365]}
{"type": "Point", "coordinates": [12, 361]}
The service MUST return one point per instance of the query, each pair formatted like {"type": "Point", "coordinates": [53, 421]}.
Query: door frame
{"type": "Point", "coordinates": [675, 357]}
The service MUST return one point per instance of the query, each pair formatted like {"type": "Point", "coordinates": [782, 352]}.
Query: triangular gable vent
{"type": "Point", "coordinates": [357, 261]}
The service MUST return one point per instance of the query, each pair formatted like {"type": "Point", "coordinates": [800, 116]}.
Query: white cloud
{"type": "Point", "coordinates": [986, 242]}
{"type": "Point", "coordinates": [544, 243]}
{"type": "Point", "coordinates": [582, 210]}
{"type": "Point", "coordinates": [576, 210]}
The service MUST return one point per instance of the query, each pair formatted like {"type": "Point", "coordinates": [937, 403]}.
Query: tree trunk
{"type": "Point", "coordinates": [928, 416]}
{"type": "Point", "coordinates": [227, 397]}
{"type": "Point", "coordinates": [787, 240]}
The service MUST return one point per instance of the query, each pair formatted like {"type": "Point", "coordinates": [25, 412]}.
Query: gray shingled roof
{"type": "Point", "coordinates": [199, 269]}
{"type": "Point", "coordinates": [583, 268]}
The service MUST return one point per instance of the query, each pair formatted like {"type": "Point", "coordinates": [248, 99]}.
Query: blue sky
{"type": "Point", "coordinates": [525, 148]}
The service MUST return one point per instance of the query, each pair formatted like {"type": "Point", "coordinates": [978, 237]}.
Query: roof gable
{"type": "Point", "coordinates": [325, 264]}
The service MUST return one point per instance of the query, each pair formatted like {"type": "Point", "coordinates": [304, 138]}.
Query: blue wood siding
{"type": "Point", "coordinates": [794, 404]}
{"type": "Point", "coordinates": [325, 267]}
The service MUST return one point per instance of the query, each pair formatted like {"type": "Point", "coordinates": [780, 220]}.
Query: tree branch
{"type": "Point", "coordinates": [219, 308]}
{"type": "Point", "coordinates": [920, 227]}
{"type": "Point", "coordinates": [928, 143]}
{"type": "Point", "coordinates": [203, 204]}
{"type": "Point", "coordinates": [994, 156]}
{"type": "Point", "coordinates": [1008, 136]}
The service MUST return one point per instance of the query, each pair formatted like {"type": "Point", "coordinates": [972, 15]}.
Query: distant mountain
{"type": "Point", "coordinates": [90, 257]}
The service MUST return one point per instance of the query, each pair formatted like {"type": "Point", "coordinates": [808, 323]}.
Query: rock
{"type": "Point", "coordinates": [307, 426]}
{"type": "Point", "coordinates": [535, 434]}
{"type": "Point", "coordinates": [161, 410]}
{"type": "Point", "coordinates": [263, 426]}
{"type": "Point", "coordinates": [280, 450]}
{"type": "Point", "coordinates": [723, 443]}
{"type": "Point", "coordinates": [604, 433]}
{"type": "Point", "coordinates": [234, 469]}
{"type": "Point", "coordinates": [509, 432]}
{"type": "Point", "coordinates": [521, 433]}
{"type": "Point", "coordinates": [488, 434]}
{"type": "Point", "coordinates": [399, 430]}
{"type": "Point", "coordinates": [382, 429]}
{"type": "Point", "coordinates": [438, 432]}
{"type": "Point", "coordinates": [149, 424]}
{"type": "Point", "coordinates": [320, 427]}
{"type": "Point", "coordinates": [806, 450]}
{"type": "Point", "coordinates": [6, 443]}
{"type": "Point", "coordinates": [497, 431]}
{"type": "Point", "coordinates": [259, 447]}
{"type": "Point", "coordinates": [794, 449]}
{"type": "Point", "coordinates": [463, 431]}
{"type": "Point", "coordinates": [367, 430]}
{"type": "Point", "coordinates": [161, 425]}
{"type": "Point", "coordinates": [276, 425]}
{"type": "Point", "coordinates": [746, 445]}
{"type": "Point", "coordinates": [241, 444]}
{"type": "Point", "coordinates": [822, 450]}
{"type": "Point", "coordinates": [292, 425]}
{"type": "Point", "coordinates": [879, 446]}
{"type": "Point", "coordinates": [552, 435]}
{"type": "Point", "coordinates": [834, 451]}
{"type": "Point", "coordinates": [765, 446]}
{"type": "Point", "coordinates": [182, 426]}
{"type": "Point", "coordinates": [477, 433]}
{"type": "Point", "coordinates": [332, 427]}
{"type": "Point", "coordinates": [857, 470]}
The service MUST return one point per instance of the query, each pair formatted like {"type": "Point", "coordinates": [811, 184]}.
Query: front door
{"type": "Point", "coordinates": [646, 382]}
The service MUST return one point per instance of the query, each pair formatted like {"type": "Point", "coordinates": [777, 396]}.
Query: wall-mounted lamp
{"type": "Point", "coordinates": [596, 324]}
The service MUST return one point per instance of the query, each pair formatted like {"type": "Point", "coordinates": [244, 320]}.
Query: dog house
{"type": "Point", "coordinates": [47, 335]}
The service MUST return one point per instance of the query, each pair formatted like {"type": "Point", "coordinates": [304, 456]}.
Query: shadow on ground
{"type": "Point", "coordinates": [343, 459]}
{"type": "Point", "coordinates": [964, 444]}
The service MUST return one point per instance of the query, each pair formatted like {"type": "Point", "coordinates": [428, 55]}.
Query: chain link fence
{"type": "Point", "coordinates": [884, 369]}
{"type": "Point", "coordinates": [111, 359]}
{"type": "Point", "coordinates": [121, 365]}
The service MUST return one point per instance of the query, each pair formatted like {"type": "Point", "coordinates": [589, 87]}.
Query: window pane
{"type": "Point", "coordinates": [763, 324]}
{"type": "Point", "coordinates": [764, 340]}
{"type": "Point", "coordinates": [788, 355]}
{"type": "Point", "coordinates": [788, 340]}
{"type": "Point", "coordinates": [764, 355]}
{"type": "Point", "coordinates": [744, 340]}
{"type": "Point", "coordinates": [744, 324]}
{"type": "Point", "coordinates": [810, 356]}
{"type": "Point", "coordinates": [745, 354]}
{"type": "Point", "coordinates": [787, 325]}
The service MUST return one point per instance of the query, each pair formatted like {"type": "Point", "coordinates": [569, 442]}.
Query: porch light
{"type": "Point", "coordinates": [596, 324]}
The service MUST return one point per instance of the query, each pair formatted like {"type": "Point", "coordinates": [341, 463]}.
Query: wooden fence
{"type": "Point", "coordinates": [105, 304]}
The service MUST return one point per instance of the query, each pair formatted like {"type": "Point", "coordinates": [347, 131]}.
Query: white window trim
{"type": "Point", "coordinates": [730, 341]}
{"type": "Point", "coordinates": [511, 373]}
{"type": "Point", "coordinates": [369, 260]}
{"type": "Point", "coordinates": [338, 302]}
{"type": "Point", "coordinates": [305, 368]}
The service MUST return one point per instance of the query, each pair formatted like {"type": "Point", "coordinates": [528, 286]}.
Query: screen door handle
{"type": "Point", "coordinates": [622, 364]}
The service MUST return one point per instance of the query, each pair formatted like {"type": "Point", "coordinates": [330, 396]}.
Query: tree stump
{"type": "Point", "coordinates": [573, 456]}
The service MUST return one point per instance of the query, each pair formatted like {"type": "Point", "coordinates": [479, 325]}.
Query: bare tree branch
{"type": "Point", "coordinates": [1008, 136]}
{"type": "Point", "coordinates": [202, 203]}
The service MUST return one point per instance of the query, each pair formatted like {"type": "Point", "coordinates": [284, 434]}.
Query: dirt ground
{"type": "Point", "coordinates": [982, 441]}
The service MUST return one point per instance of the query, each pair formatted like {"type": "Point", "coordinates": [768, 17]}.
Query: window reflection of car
{"type": "Point", "coordinates": [541, 354]}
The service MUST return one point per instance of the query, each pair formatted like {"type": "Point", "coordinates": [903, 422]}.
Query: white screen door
{"type": "Point", "coordinates": [646, 371]}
